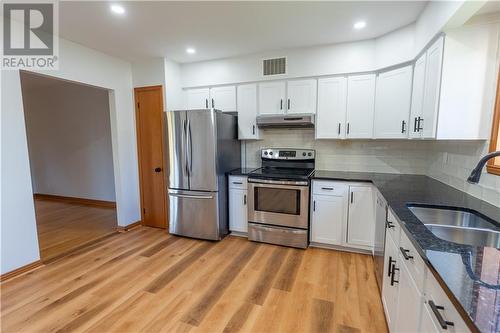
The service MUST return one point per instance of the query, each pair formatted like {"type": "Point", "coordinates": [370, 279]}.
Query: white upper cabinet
{"type": "Point", "coordinates": [417, 97]}
{"type": "Point", "coordinates": [247, 112]}
{"type": "Point", "coordinates": [361, 222]}
{"type": "Point", "coordinates": [426, 88]}
{"type": "Point", "coordinates": [392, 103]}
{"type": "Point", "coordinates": [272, 97]}
{"type": "Point", "coordinates": [301, 96]}
{"type": "Point", "coordinates": [332, 105]}
{"type": "Point", "coordinates": [197, 98]}
{"type": "Point", "coordinates": [360, 106]}
{"type": "Point", "coordinates": [432, 88]}
{"type": "Point", "coordinates": [223, 98]}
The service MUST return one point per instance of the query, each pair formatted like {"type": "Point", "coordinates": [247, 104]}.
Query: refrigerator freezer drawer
{"type": "Point", "coordinates": [194, 214]}
{"type": "Point", "coordinates": [277, 235]}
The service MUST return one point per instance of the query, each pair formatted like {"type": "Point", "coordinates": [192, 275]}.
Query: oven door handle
{"type": "Point", "coordinates": [278, 182]}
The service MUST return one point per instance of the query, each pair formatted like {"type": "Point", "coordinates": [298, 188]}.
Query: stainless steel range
{"type": "Point", "coordinates": [278, 197]}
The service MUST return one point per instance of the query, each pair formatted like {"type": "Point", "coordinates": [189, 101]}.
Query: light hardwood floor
{"type": "Point", "coordinates": [64, 226]}
{"type": "Point", "coordinates": [148, 281]}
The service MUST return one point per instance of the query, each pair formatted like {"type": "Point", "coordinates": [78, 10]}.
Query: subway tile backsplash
{"type": "Point", "coordinates": [447, 161]}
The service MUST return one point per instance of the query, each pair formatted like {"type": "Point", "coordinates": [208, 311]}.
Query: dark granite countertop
{"type": "Point", "coordinates": [241, 171]}
{"type": "Point", "coordinates": [457, 267]}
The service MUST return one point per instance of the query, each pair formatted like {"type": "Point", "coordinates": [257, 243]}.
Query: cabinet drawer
{"type": "Point", "coordinates": [392, 226]}
{"type": "Point", "coordinates": [412, 260]}
{"type": "Point", "coordinates": [239, 182]}
{"type": "Point", "coordinates": [330, 188]}
{"type": "Point", "coordinates": [441, 309]}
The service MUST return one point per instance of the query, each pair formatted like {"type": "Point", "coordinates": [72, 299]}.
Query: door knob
{"type": "Point", "coordinates": [158, 169]}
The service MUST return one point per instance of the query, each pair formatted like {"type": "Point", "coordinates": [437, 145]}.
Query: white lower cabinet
{"type": "Point", "coordinates": [409, 303]}
{"type": "Point", "coordinates": [389, 284]}
{"type": "Point", "coordinates": [413, 300]}
{"type": "Point", "coordinates": [328, 216]}
{"type": "Point", "coordinates": [342, 214]}
{"type": "Point", "coordinates": [238, 212]}
{"type": "Point", "coordinates": [360, 226]}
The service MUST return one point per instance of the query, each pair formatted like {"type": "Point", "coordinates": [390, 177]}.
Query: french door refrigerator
{"type": "Point", "coordinates": [203, 147]}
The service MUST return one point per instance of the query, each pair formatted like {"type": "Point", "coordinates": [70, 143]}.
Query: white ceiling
{"type": "Point", "coordinates": [224, 29]}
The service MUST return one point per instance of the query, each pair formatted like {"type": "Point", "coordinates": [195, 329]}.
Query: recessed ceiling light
{"type": "Point", "coordinates": [190, 50]}
{"type": "Point", "coordinates": [359, 25]}
{"type": "Point", "coordinates": [117, 9]}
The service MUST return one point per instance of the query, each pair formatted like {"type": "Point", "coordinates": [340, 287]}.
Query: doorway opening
{"type": "Point", "coordinates": [68, 126]}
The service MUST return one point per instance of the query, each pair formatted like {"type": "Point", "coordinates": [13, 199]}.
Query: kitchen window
{"type": "Point", "coordinates": [494, 164]}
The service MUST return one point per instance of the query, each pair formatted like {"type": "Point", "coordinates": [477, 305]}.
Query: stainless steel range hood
{"type": "Point", "coordinates": [285, 121]}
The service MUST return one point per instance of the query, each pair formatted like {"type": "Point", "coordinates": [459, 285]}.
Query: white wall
{"type": "Point", "coordinates": [433, 19]}
{"type": "Point", "coordinates": [69, 138]}
{"type": "Point", "coordinates": [452, 162]}
{"type": "Point", "coordinates": [173, 86]}
{"type": "Point", "coordinates": [19, 242]}
{"type": "Point", "coordinates": [148, 72]}
{"type": "Point", "coordinates": [81, 64]}
{"type": "Point", "coordinates": [396, 47]}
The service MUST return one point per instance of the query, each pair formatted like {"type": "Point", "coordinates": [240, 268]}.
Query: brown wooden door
{"type": "Point", "coordinates": [150, 146]}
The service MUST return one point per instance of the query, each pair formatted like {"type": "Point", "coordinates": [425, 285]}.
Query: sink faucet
{"type": "Point", "coordinates": [476, 172]}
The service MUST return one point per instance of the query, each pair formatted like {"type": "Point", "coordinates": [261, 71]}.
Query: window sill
{"type": "Point", "coordinates": [493, 169]}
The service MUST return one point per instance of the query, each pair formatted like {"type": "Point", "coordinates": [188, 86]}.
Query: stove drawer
{"type": "Point", "coordinates": [330, 188]}
{"type": "Point", "coordinates": [277, 235]}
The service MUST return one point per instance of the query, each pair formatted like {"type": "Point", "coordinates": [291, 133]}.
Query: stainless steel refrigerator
{"type": "Point", "coordinates": [203, 147]}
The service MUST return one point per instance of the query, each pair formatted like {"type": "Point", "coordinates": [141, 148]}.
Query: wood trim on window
{"type": "Point", "coordinates": [494, 164]}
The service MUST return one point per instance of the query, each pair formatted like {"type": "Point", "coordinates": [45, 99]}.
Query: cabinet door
{"type": "Point", "coordinates": [360, 106]}
{"type": "Point", "coordinates": [329, 214]}
{"type": "Point", "coordinates": [197, 98]}
{"type": "Point", "coordinates": [410, 302]}
{"type": "Point", "coordinates": [361, 224]}
{"type": "Point", "coordinates": [301, 96]}
{"type": "Point", "coordinates": [392, 103]}
{"type": "Point", "coordinates": [247, 112]}
{"type": "Point", "coordinates": [272, 97]}
{"type": "Point", "coordinates": [427, 323]}
{"type": "Point", "coordinates": [223, 98]}
{"type": "Point", "coordinates": [332, 104]}
{"type": "Point", "coordinates": [238, 210]}
{"type": "Point", "coordinates": [417, 97]}
{"type": "Point", "coordinates": [431, 89]}
{"type": "Point", "coordinates": [443, 307]}
{"type": "Point", "coordinates": [389, 284]}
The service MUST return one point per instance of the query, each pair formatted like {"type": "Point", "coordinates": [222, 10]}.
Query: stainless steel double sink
{"type": "Point", "coordinates": [457, 225]}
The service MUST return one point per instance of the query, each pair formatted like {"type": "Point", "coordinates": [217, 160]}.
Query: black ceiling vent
{"type": "Point", "coordinates": [274, 66]}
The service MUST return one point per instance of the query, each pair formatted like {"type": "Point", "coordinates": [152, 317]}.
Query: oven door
{"type": "Point", "coordinates": [278, 203]}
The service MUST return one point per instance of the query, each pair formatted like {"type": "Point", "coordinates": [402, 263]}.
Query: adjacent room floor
{"type": "Point", "coordinates": [64, 226]}
{"type": "Point", "coordinates": [147, 280]}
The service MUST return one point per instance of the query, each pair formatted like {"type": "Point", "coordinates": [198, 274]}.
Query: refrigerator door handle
{"type": "Point", "coordinates": [190, 144]}
{"type": "Point", "coordinates": [186, 159]}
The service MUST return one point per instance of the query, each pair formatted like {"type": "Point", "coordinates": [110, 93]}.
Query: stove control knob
{"type": "Point", "coordinates": [304, 154]}
{"type": "Point", "coordinates": [309, 154]}
{"type": "Point", "coordinates": [271, 153]}
{"type": "Point", "coordinates": [265, 153]}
